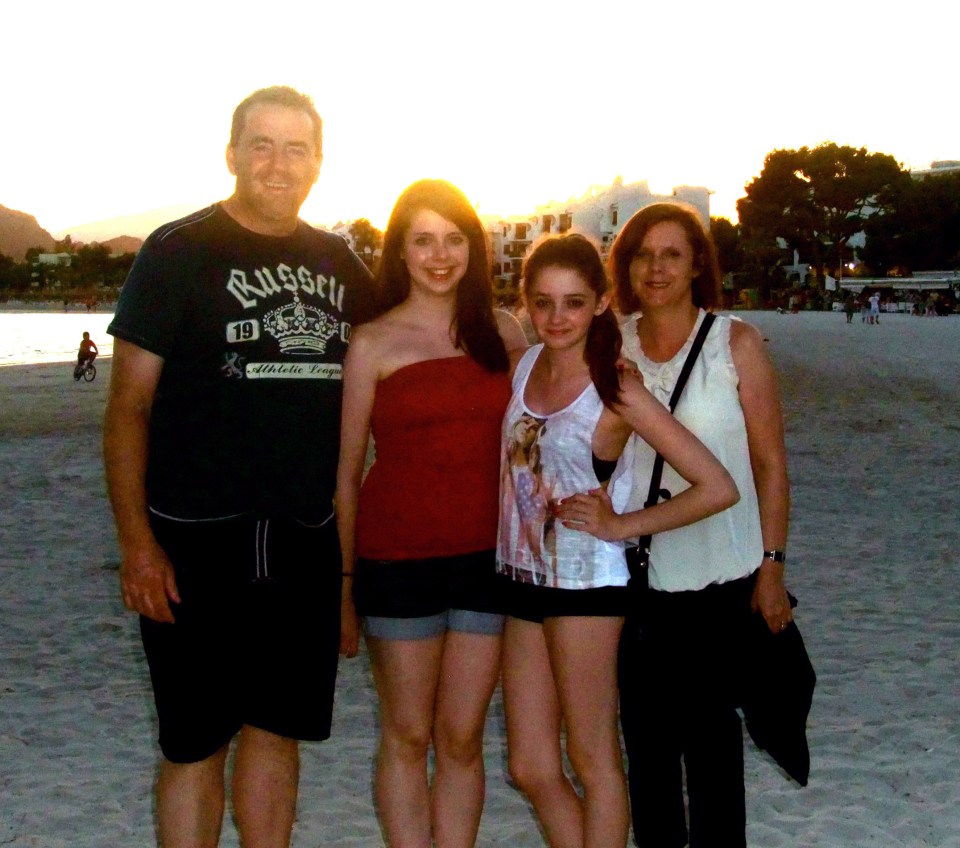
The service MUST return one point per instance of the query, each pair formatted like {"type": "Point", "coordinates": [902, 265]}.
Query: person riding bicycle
{"type": "Point", "coordinates": [88, 351]}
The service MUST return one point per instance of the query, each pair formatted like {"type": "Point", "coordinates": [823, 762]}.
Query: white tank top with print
{"type": "Point", "coordinates": [545, 458]}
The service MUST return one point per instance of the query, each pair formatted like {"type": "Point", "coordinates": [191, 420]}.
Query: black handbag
{"type": "Point", "coordinates": [638, 558]}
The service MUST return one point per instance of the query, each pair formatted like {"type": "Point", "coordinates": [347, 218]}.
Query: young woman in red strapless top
{"type": "Point", "coordinates": [428, 378]}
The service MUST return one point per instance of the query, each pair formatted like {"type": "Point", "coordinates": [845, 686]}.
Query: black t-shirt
{"type": "Point", "coordinates": [253, 330]}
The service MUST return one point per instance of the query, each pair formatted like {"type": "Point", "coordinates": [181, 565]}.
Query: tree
{"type": "Point", "coordinates": [14, 276]}
{"type": "Point", "coordinates": [921, 231]}
{"type": "Point", "coordinates": [36, 271]}
{"type": "Point", "coordinates": [65, 245]}
{"type": "Point", "coordinates": [726, 236]}
{"type": "Point", "coordinates": [367, 239]}
{"type": "Point", "coordinates": [119, 268]}
{"type": "Point", "coordinates": [816, 200]}
{"type": "Point", "coordinates": [91, 265]}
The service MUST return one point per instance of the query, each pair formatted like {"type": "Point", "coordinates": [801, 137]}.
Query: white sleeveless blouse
{"type": "Point", "coordinates": [545, 458]}
{"type": "Point", "coordinates": [728, 545]}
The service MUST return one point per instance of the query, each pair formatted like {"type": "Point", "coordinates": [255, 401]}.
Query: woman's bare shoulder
{"type": "Point", "coordinates": [375, 339]}
{"type": "Point", "coordinates": [744, 337]}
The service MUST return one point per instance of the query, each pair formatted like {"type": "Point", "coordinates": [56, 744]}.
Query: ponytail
{"type": "Point", "coordinates": [604, 342]}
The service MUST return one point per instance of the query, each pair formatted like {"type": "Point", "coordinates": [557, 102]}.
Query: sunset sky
{"type": "Point", "coordinates": [114, 108]}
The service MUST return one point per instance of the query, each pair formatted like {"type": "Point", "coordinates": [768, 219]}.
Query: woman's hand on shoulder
{"type": "Point", "coordinates": [633, 393]}
{"type": "Point", "coordinates": [628, 366]}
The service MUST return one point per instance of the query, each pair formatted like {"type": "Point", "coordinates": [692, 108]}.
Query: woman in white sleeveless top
{"type": "Point", "coordinates": [676, 699]}
{"type": "Point", "coordinates": [568, 421]}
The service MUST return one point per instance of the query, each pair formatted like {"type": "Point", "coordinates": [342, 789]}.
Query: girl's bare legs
{"type": "Point", "coordinates": [583, 657]}
{"type": "Point", "coordinates": [406, 675]}
{"type": "Point", "coordinates": [468, 675]}
{"type": "Point", "coordinates": [533, 734]}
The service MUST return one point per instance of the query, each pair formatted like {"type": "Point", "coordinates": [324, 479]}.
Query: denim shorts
{"type": "Point", "coordinates": [423, 598]}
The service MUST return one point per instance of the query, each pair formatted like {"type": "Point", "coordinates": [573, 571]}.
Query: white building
{"type": "Point", "coordinates": [600, 213]}
{"type": "Point", "coordinates": [937, 169]}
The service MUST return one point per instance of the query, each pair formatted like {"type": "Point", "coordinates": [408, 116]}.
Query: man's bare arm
{"type": "Point", "coordinates": [146, 576]}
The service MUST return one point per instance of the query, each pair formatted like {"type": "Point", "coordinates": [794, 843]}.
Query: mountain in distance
{"type": "Point", "coordinates": [123, 244]}
{"type": "Point", "coordinates": [19, 232]}
{"type": "Point", "coordinates": [137, 226]}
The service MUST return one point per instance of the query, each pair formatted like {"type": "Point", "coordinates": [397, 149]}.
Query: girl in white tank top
{"type": "Point", "coordinates": [570, 417]}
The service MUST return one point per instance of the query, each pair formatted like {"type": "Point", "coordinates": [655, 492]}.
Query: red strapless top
{"type": "Point", "coordinates": [434, 488]}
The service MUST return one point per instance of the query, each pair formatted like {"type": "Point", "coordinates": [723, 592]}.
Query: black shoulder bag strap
{"type": "Point", "coordinates": [653, 496]}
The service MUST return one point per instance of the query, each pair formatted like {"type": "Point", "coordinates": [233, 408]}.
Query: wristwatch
{"type": "Point", "coordinates": [776, 556]}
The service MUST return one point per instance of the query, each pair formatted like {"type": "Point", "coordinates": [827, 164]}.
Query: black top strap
{"type": "Point", "coordinates": [653, 496]}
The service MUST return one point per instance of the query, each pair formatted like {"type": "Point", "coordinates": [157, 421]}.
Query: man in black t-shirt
{"type": "Point", "coordinates": [220, 442]}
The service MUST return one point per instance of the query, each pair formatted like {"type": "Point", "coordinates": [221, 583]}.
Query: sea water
{"type": "Point", "coordinates": [30, 337]}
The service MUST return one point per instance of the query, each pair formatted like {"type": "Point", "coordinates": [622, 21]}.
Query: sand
{"type": "Point", "coordinates": [874, 440]}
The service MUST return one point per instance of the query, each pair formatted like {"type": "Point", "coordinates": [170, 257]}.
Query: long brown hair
{"type": "Point", "coordinates": [475, 326]}
{"type": "Point", "coordinates": [577, 253]}
{"type": "Point", "coordinates": [705, 288]}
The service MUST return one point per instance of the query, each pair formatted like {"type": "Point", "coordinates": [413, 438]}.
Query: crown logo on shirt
{"type": "Point", "coordinates": [299, 328]}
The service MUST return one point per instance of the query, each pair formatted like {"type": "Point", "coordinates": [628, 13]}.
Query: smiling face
{"type": "Point", "coordinates": [276, 163]}
{"type": "Point", "coordinates": [663, 268]}
{"type": "Point", "coordinates": [562, 306]}
{"type": "Point", "coordinates": [436, 252]}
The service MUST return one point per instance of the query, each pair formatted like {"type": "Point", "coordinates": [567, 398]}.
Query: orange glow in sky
{"type": "Point", "coordinates": [114, 109]}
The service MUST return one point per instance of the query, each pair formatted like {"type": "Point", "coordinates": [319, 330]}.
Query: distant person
{"type": "Point", "coordinates": [220, 445]}
{"type": "Point", "coordinates": [677, 704]}
{"type": "Point", "coordinates": [874, 301]}
{"type": "Point", "coordinates": [88, 351]}
{"type": "Point", "coordinates": [849, 307]}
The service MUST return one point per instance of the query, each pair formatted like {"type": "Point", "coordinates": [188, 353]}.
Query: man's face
{"type": "Point", "coordinates": [276, 164]}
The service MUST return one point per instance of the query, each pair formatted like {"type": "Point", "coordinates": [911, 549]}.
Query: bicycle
{"type": "Point", "coordinates": [85, 369]}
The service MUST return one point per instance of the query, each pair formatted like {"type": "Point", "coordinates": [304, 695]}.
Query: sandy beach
{"type": "Point", "coordinates": [873, 432]}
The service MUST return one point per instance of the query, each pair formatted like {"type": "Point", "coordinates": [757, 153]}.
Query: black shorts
{"type": "Point", "coordinates": [257, 633]}
{"type": "Point", "coordinates": [535, 603]}
{"type": "Point", "coordinates": [416, 588]}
